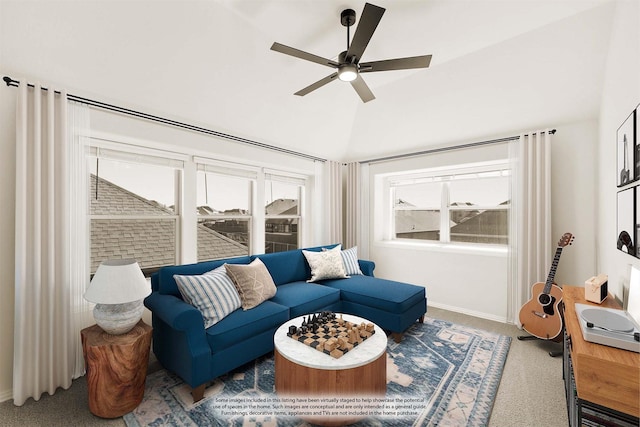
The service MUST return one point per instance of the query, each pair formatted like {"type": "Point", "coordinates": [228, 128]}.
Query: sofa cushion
{"type": "Point", "coordinates": [243, 325]}
{"type": "Point", "coordinates": [326, 264]}
{"type": "Point", "coordinates": [303, 298]}
{"type": "Point", "coordinates": [288, 266]}
{"type": "Point", "coordinates": [253, 282]}
{"type": "Point", "coordinates": [387, 295]}
{"type": "Point", "coordinates": [163, 280]}
{"type": "Point", "coordinates": [212, 293]}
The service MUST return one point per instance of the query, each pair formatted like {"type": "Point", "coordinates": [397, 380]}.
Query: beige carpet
{"type": "Point", "coordinates": [531, 392]}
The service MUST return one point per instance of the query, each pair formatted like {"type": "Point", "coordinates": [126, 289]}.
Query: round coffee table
{"type": "Point", "coordinates": [303, 371]}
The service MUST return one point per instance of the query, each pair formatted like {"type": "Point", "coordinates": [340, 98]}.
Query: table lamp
{"type": "Point", "coordinates": [118, 288]}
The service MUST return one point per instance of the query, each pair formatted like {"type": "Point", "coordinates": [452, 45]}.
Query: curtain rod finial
{"type": "Point", "coordinates": [7, 80]}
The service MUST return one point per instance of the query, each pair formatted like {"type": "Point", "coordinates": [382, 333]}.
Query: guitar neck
{"type": "Point", "coordinates": [552, 272]}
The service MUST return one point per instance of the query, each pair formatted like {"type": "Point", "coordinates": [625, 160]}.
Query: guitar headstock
{"type": "Point", "coordinates": [566, 239]}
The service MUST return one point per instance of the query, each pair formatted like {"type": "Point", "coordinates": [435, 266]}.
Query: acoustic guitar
{"type": "Point", "coordinates": [541, 316]}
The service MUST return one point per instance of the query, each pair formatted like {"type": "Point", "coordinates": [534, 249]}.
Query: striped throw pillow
{"type": "Point", "coordinates": [212, 293]}
{"type": "Point", "coordinates": [350, 260]}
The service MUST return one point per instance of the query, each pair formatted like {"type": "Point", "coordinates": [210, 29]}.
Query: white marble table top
{"type": "Point", "coordinates": [301, 354]}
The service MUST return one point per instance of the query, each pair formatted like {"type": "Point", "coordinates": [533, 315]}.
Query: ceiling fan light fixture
{"type": "Point", "coordinates": [347, 72]}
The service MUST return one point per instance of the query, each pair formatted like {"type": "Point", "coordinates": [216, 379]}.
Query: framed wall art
{"type": "Point", "coordinates": [626, 223]}
{"type": "Point", "coordinates": [636, 149]}
{"type": "Point", "coordinates": [637, 220]}
{"type": "Point", "coordinates": [626, 148]}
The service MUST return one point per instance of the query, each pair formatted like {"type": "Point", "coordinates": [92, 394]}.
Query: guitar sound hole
{"type": "Point", "coordinates": [547, 301]}
{"type": "Point", "coordinates": [544, 299]}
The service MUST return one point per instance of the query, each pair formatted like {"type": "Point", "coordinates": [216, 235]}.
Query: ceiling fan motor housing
{"type": "Point", "coordinates": [348, 17]}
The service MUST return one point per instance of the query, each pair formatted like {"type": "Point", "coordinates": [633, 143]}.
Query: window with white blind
{"type": "Point", "coordinates": [133, 208]}
{"type": "Point", "coordinates": [283, 198]}
{"type": "Point", "coordinates": [465, 203]}
{"type": "Point", "coordinates": [225, 198]}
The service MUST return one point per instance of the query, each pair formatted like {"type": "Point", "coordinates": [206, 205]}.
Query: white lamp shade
{"type": "Point", "coordinates": [117, 282]}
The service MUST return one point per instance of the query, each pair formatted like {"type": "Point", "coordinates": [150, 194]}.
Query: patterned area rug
{"type": "Point", "coordinates": [441, 374]}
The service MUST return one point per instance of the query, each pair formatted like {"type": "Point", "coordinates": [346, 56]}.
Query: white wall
{"type": "Point", "coordinates": [573, 199]}
{"type": "Point", "coordinates": [476, 283]}
{"type": "Point", "coordinates": [620, 96]}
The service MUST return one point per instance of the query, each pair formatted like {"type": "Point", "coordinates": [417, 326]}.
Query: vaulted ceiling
{"type": "Point", "coordinates": [499, 66]}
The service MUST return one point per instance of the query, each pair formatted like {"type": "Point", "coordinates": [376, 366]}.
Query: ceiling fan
{"type": "Point", "coordinates": [348, 65]}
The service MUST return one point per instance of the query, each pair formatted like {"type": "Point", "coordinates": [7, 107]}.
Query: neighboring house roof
{"type": "Point", "coordinates": [495, 222]}
{"type": "Point", "coordinates": [466, 221]}
{"type": "Point", "coordinates": [213, 245]}
{"type": "Point", "coordinates": [152, 242]}
{"type": "Point", "coordinates": [112, 199]}
{"type": "Point", "coordinates": [282, 207]}
{"type": "Point", "coordinates": [414, 221]}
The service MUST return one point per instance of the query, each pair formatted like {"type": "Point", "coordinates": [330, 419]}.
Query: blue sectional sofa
{"type": "Point", "coordinates": [198, 355]}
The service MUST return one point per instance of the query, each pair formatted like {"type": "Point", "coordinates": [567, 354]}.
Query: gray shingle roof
{"type": "Point", "coordinates": [152, 242]}
{"type": "Point", "coordinates": [114, 200]}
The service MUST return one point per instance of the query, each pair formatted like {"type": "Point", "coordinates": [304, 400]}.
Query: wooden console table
{"type": "Point", "coordinates": [602, 383]}
{"type": "Point", "coordinates": [116, 368]}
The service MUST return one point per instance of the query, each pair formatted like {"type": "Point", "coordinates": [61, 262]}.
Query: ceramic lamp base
{"type": "Point", "coordinates": [118, 319]}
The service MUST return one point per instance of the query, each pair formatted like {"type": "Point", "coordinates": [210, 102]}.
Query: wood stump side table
{"type": "Point", "coordinates": [116, 368]}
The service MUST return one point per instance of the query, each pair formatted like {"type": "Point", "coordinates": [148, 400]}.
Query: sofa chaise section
{"type": "Point", "coordinates": [394, 306]}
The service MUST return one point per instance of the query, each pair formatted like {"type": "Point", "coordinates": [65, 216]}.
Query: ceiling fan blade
{"type": "Point", "coordinates": [369, 20]}
{"type": "Point", "coordinates": [396, 64]}
{"type": "Point", "coordinates": [303, 55]}
{"type": "Point", "coordinates": [363, 90]}
{"type": "Point", "coordinates": [316, 85]}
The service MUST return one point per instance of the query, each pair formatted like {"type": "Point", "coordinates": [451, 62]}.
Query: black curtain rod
{"type": "Point", "coordinates": [109, 107]}
{"type": "Point", "coordinates": [450, 148]}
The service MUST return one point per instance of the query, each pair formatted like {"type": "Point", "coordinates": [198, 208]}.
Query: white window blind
{"type": "Point", "coordinates": [151, 157]}
{"type": "Point", "coordinates": [226, 168]}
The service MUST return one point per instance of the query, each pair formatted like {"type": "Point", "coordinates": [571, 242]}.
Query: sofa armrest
{"type": "Point", "coordinates": [366, 267]}
{"type": "Point", "coordinates": [179, 338]}
{"type": "Point", "coordinates": [174, 312]}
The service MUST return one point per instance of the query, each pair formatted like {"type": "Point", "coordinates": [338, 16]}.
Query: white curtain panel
{"type": "Point", "coordinates": [353, 205]}
{"type": "Point", "coordinates": [530, 244]}
{"type": "Point", "coordinates": [333, 208]}
{"type": "Point", "coordinates": [48, 284]}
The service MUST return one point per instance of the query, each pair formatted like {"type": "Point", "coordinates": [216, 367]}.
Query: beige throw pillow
{"type": "Point", "coordinates": [326, 264]}
{"type": "Point", "coordinates": [253, 282]}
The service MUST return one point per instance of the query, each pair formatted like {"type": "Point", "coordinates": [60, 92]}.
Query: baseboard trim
{"type": "Point", "coordinates": [6, 395]}
{"type": "Point", "coordinates": [467, 312]}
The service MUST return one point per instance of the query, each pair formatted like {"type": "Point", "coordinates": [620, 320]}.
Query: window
{"type": "Point", "coordinates": [224, 204]}
{"type": "Point", "coordinates": [132, 208]}
{"type": "Point", "coordinates": [462, 204]}
{"type": "Point", "coordinates": [283, 200]}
